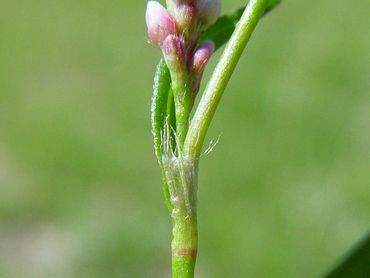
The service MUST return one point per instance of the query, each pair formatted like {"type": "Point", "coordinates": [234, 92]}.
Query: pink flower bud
{"type": "Point", "coordinates": [173, 49]}
{"type": "Point", "coordinates": [201, 56]}
{"type": "Point", "coordinates": [185, 13]}
{"type": "Point", "coordinates": [159, 22]}
{"type": "Point", "coordinates": [209, 11]}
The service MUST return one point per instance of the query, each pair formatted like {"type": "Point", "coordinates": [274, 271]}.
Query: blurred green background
{"type": "Point", "coordinates": [284, 194]}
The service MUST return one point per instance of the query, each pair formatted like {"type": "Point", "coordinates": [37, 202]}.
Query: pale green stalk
{"type": "Point", "coordinates": [221, 76]}
{"type": "Point", "coordinates": [183, 174]}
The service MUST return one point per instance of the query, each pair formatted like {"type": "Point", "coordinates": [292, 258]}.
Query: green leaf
{"type": "Point", "coordinates": [160, 99]}
{"type": "Point", "coordinates": [221, 31]}
{"type": "Point", "coordinates": [356, 264]}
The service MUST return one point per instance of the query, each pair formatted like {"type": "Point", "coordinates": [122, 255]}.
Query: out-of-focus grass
{"type": "Point", "coordinates": [285, 192]}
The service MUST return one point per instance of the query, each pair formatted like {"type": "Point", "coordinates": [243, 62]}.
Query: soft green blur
{"type": "Point", "coordinates": [285, 192]}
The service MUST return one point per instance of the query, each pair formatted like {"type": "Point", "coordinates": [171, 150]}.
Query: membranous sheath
{"type": "Point", "coordinates": [182, 177]}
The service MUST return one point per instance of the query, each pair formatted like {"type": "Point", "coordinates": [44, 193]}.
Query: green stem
{"type": "Point", "coordinates": [183, 101]}
{"type": "Point", "coordinates": [221, 76]}
{"type": "Point", "coordinates": [184, 246]}
{"type": "Point", "coordinates": [181, 169]}
{"type": "Point", "coordinates": [182, 177]}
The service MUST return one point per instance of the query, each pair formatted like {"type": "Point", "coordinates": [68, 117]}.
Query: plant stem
{"type": "Point", "coordinates": [184, 246]}
{"type": "Point", "coordinates": [221, 76]}
{"type": "Point", "coordinates": [182, 177]}
{"type": "Point", "coordinates": [182, 168]}
{"type": "Point", "coordinates": [183, 102]}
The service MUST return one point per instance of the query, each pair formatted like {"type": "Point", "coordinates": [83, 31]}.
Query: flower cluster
{"type": "Point", "coordinates": [176, 30]}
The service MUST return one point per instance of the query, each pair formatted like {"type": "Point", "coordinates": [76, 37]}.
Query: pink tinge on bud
{"type": "Point", "coordinates": [173, 48]}
{"type": "Point", "coordinates": [159, 22]}
{"type": "Point", "coordinates": [201, 56]}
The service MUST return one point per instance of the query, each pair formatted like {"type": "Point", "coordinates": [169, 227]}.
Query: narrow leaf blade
{"type": "Point", "coordinates": [161, 87]}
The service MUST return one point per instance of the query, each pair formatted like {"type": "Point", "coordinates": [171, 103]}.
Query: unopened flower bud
{"type": "Point", "coordinates": [174, 52]}
{"type": "Point", "coordinates": [172, 3]}
{"type": "Point", "coordinates": [201, 57]}
{"type": "Point", "coordinates": [186, 15]}
{"type": "Point", "coordinates": [209, 11]}
{"type": "Point", "coordinates": [159, 22]}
